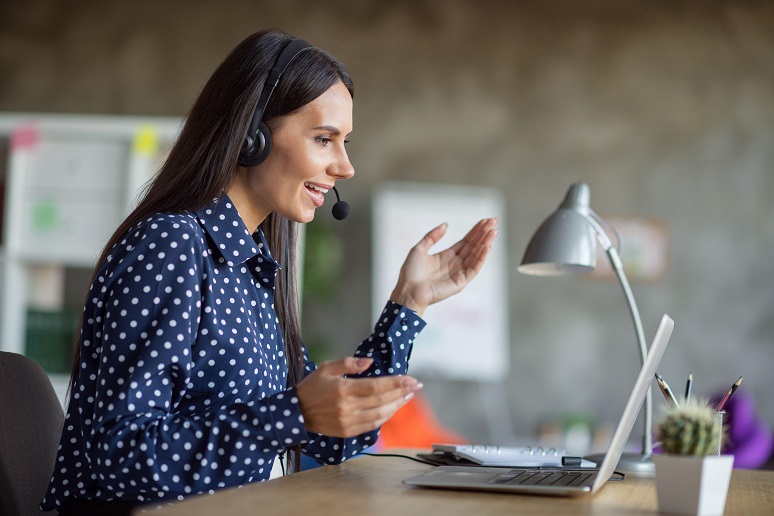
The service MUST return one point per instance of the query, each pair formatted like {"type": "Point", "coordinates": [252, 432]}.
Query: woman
{"type": "Point", "coordinates": [191, 375]}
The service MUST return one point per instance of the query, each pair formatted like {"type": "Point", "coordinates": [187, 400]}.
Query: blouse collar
{"type": "Point", "coordinates": [231, 237]}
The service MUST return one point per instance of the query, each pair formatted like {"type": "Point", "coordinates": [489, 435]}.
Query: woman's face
{"type": "Point", "coordinates": [307, 158]}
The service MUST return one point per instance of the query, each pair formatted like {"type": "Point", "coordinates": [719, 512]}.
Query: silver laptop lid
{"type": "Point", "coordinates": [626, 423]}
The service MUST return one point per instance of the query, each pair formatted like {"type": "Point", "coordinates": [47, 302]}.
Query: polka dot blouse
{"type": "Point", "coordinates": [182, 381]}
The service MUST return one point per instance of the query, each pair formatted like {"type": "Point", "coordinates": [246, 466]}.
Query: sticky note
{"type": "Point", "coordinates": [45, 215]}
{"type": "Point", "coordinates": [24, 136]}
{"type": "Point", "coordinates": [146, 140]}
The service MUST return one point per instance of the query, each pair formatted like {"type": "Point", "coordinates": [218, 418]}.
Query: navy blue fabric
{"type": "Point", "coordinates": [182, 382]}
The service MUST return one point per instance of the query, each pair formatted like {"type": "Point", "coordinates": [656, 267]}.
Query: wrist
{"type": "Point", "coordinates": [404, 298]}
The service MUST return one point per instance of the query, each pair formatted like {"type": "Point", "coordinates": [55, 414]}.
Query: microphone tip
{"type": "Point", "coordinates": [340, 210]}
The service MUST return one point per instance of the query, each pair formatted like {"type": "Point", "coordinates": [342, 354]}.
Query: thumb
{"type": "Point", "coordinates": [432, 237]}
{"type": "Point", "coordinates": [344, 366]}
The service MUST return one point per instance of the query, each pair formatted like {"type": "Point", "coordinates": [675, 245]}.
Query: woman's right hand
{"type": "Point", "coordinates": [345, 407]}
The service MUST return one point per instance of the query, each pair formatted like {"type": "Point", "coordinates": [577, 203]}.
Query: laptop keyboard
{"type": "Point", "coordinates": [547, 478]}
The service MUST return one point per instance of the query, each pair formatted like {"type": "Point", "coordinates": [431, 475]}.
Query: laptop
{"type": "Point", "coordinates": [556, 481]}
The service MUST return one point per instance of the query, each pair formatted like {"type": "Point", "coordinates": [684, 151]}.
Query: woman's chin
{"type": "Point", "coordinates": [302, 218]}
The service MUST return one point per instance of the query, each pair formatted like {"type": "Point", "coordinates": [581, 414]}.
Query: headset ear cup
{"type": "Point", "coordinates": [246, 153]}
{"type": "Point", "coordinates": [257, 149]}
{"type": "Point", "coordinates": [264, 144]}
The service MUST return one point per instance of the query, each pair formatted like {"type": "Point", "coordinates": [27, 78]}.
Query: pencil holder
{"type": "Point", "coordinates": [717, 418]}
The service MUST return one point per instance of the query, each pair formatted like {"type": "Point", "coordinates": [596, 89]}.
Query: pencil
{"type": "Point", "coordinates": [728, 394]}
{"type": "Point", "coordinates": [688, 387]}
{"type": "Point", "coordinates": [667, 391]}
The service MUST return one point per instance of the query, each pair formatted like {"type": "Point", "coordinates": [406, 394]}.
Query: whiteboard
{"type": "Point", "coordinates": [467, 334]}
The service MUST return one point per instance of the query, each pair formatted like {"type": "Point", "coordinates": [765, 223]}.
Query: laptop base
{"type": "Point", "coordinates": [484, 478]}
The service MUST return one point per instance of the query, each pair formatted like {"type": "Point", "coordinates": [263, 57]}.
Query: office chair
{"type": "Point", "coordinates": [31, 419]}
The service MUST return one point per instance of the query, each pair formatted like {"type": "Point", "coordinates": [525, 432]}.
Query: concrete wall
{"type": "Point", "coordinates": [666, 109]}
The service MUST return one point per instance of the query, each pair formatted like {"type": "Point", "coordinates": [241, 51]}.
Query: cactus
{"type": "Point", "coordinates": [689, 429]}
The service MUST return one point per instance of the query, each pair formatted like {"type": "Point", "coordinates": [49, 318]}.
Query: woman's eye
{"type": "Point", "coordinates": [324, 141]}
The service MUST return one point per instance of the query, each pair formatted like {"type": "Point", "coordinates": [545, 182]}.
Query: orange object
{"type": "Point", "coordinates": [414, 425]}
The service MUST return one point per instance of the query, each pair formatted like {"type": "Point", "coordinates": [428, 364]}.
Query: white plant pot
{"type": "Point", "coordinates": [693, 485]}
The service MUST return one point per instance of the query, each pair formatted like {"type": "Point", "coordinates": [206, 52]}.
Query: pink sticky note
{"type": "Point", "coordinates": [24, 136]}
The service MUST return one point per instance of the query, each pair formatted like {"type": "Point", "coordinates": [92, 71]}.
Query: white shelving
{"type": "Point", "coordinates": [70, 181]}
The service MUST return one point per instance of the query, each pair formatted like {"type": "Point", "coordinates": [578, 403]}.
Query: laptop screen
{"type": "Point", "coordinates": [626, 423]}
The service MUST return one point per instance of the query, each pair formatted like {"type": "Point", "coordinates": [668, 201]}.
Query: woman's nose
{"type": "Point", "coordinates": [343, 168]}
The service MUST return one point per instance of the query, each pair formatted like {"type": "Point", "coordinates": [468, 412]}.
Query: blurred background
{"type": "Point", "coordinates": [665, 108]}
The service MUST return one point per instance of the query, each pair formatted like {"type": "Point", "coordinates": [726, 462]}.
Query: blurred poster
{"type": "Point", "coordinates": [467, 335]}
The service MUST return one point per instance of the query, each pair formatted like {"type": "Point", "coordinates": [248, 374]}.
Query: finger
{"type": "Point", "coordinates": [475, 263]}
{"type": "Point", "coordinates": [358, 406]}
{"type": "Point", "coordinates": [431, 238]}
{"type": "Point", "coordinates": [353, 415]}
{"type": "Point", "coordinates": [475, 257]}
{"type": "Point", "coordinates": [474, 237]}
{"type": "Point", "coordinates": [372, 418]}
{"type": "Point", "coordinates": [472, 240]}
{"type": "Point", "coordinates": [348, 365]}
{"type": "Point", "coordinates": [383, 388]}
{"type": "Point", "coordinates": [471, 254]}
{"type": "Point", "coordinates": [471, 266]}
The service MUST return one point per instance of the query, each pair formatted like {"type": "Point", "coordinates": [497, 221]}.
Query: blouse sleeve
{"type": "Point", "coordinates": [138, 439]}
{"type": "Point", "coordinates": [390, 347]}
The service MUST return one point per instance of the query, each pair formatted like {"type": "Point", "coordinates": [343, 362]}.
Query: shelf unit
{"type": "Point", "coordinates": [69, 182]}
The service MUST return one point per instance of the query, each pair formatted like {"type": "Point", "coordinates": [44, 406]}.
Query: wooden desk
{"type": "Point", "coordinates": [372, 486]}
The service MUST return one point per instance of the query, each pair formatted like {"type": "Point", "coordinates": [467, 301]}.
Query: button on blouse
{"type": "Point", "coordinates": [181, 387]}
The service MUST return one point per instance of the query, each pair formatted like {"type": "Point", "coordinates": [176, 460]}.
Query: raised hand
{"type": "Point", "coordinates": [346, 407]}
{"type": "Point", "coordinates": [429, 278]}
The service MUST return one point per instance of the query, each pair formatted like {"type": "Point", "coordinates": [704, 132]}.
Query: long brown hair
{"type": "Point", "coordinates": [202, 163]}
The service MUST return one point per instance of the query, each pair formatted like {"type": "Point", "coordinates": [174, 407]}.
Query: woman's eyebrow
{"type": "Point", "coordinates": [329, 128]}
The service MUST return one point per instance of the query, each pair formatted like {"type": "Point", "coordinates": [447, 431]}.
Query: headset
{"type": "Point", "coordinates": [257, 144]}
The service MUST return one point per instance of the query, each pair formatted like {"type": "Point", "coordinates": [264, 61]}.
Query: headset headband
{"type": "Point", "coordinates": [288, 54]}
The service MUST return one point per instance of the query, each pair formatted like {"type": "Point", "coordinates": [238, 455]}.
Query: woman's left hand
{"type": "Point", "coordinates": [429, 278]}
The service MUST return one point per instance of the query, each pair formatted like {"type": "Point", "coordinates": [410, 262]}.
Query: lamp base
{"type": "Point", "coordinates": [632, 464]}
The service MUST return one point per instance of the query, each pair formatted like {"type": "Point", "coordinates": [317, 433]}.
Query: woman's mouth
{"type": "Point", "coordinates": [317, 193]}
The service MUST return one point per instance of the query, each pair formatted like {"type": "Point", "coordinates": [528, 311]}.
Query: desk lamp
{"type": "Point", "coordinates": [565, 244]}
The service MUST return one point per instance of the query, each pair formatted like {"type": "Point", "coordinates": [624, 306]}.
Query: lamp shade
{"type": "Point", "coordinates": [565, 243]}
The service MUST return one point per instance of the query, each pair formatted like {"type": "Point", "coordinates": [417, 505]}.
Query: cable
{"type": "Point", "coordinates": [398, 456]}
{"type": "Point", "coordinates": [618, 239]}
{"type": "Point", "coordinates": [282, 462]}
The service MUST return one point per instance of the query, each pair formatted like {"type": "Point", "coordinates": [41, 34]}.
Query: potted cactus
{"type": "Point", "coordinates": [692, 476]}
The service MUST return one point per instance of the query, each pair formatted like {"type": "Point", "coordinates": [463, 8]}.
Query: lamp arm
{"type": "Point", "coordinates": [615, 262]}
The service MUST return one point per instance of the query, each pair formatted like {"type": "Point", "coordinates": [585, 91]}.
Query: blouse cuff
{"type": "Point", "coordinates": [400, 321]}
{"type": "Point", "coordinates": [391, 343]}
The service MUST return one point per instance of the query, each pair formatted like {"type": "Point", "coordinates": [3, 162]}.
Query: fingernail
{"type": "Point", "coordinates": [408, 396]}
{"type": "Point", "coordinates": [362, 362]}
{"type": "Point", "coordinates": [414, 386]}
{"type": "Point", "coordinates": [408, 381]}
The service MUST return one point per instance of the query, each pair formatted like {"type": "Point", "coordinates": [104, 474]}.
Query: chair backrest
{"type": "Point", "coordinates": [31, 419]}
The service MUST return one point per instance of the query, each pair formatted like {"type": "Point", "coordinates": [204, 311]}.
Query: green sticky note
{"type": "Point", "coordinates": [45, 215]}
